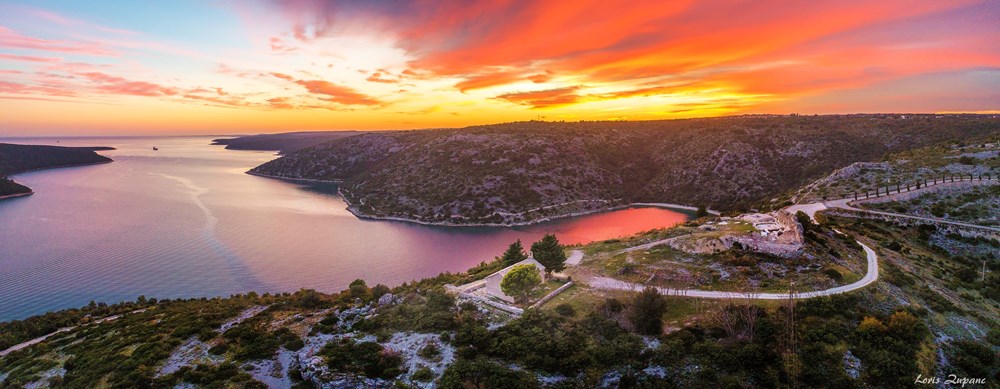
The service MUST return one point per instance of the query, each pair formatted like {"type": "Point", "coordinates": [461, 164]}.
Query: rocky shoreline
{"type": "Point", "coordinates": [10, 196]}
{"type": "Point", "coordinates": [361, 215]}
{"type": "Point", "coordinates": [30, 191]}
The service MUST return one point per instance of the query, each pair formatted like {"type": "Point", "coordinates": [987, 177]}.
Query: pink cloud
{"type": "Point", "coordinates": [9, 39]}
{"type": "Point", "coordinates": [27, 58]}
{"type": "Point", "coordinates": [120, 86]}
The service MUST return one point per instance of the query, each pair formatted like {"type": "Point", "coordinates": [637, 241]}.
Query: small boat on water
{"type": "Point", "coordinates": [154, 148]}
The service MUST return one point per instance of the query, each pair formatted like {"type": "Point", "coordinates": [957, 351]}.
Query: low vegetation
{"type": "Point", "coordinates": [934, 311]}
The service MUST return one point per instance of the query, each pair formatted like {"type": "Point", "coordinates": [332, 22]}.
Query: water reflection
{"type": "Point", "coordinates": [185, 221]}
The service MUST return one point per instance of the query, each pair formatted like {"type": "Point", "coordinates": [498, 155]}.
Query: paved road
{"type": "Point", "coordinates": [574, 258]}
{"type": "Point", "coordinates": [870, 277]}
{"type": "Point", "coordinates": [843, 204]}
{"type": "Point", "coordinates": [811, 209]}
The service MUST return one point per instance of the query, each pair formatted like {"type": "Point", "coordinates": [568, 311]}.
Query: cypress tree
{"type": "Point", "coordinates": [514, 254]}
{"type": "Point", "coordinates": [549, 253]}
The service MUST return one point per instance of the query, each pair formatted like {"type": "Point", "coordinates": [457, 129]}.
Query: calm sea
{"type": "Point", "coordinates": [185, 221]}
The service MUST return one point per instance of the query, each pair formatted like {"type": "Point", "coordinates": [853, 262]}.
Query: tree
{"type": "Point", "coordinates": [358, 288]}
{"type": "Point", "coordinates": [647, 312]}
{"type": "Point", "coordinates": [520, 281]}
{"type": "Point", "coordinates": [514, 254]}
{"type": "Point", "coordinates": [804, 220]}
{"type": "Point", "coordinates": [701, 212]}
{"type": "Point", "coordinates": [549, 253]}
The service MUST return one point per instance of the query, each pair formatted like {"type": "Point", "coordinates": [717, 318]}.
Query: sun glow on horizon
{"type": "Point", "coordinates": [71, 67]}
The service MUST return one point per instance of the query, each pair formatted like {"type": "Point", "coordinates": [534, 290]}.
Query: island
{"type": "Point", "coordinates": [16, 158]}
{"type": "Point", "coordinates": [527, 172]}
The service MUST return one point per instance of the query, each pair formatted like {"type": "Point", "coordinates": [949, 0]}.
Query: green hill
{"type": "Point", "coordinates": [523, 172]}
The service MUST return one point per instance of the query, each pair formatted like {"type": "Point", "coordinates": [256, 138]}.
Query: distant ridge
{"type": "Point", "coordinates": [524, 172]}
{"type": "Point", "coordinates": [282, 143]}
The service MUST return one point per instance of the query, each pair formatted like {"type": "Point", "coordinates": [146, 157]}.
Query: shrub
{"type": "Point", "coordinates": [358, 289]}
{"type": "Point", "coordinates": [367, 358]}
{"type": "Point", "coordinates": [484, 374]}
{"type": "Point", "coordinates": [646, 313]}
{"type": "Point", "coordinates": [565, 310]}
{"type": "Point", "coordinates": [423, 374]}
{"type": "Point", "coordinates": [430, 351]}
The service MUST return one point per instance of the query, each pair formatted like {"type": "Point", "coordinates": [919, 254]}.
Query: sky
{"type": "Point", "coordinates": [242, 66]}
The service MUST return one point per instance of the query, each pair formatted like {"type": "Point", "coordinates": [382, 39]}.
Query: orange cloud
{"type": "Point", "coordinates": [486, 80]}
{"type": "Point", "coordinates": [377, 77]}
{"type": "Point", "coordinates": [620, 41]}
{"type": "Point", "coordinates": [333, 92]}
{"type": "Point", "coordinates": [548, 98]}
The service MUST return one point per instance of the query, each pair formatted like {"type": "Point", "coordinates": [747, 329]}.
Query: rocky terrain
{"type": "Point", "coordinates": [931, 312]}
{"type": "Point", "coordinates": [958, 158]}
{"type": "Point", "coordinates": [21, 158]}
{"type": "Point", "coordinates": [517, 173]}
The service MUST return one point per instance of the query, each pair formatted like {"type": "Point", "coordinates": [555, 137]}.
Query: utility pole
{"type": "Point", "coordinates": [790, 354]}
{"type": "Point", "coordinates": [984, 272]}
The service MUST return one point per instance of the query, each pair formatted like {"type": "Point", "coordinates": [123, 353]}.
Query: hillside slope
{"type": "Point", "coordinates": [517, 173]}
{"type": "Point", "coordinates": [21, 158]}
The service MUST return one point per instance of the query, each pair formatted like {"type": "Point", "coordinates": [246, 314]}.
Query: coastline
{"type": "Point", "coordinates": [354, 211]}
{"type": "Point", "coordinates": [31, 192]}
{"type": "Point", "coordinates": [15, 195]}
{"type": "Point", "coordinates": [252, 173]}
{"type": "Point", "coordinates": [60, 166]}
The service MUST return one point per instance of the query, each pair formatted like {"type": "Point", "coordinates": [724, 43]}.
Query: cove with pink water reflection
{"type": "Point", "coordinates": [185, 221]}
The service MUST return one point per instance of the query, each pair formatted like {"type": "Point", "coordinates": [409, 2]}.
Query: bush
{"type": "Point", "coordinates": [430, 351]}
{"type": "Point", "coordinates": [380, 290]}
{"type": "Point", "coordinates": [833, 274]}
{"type": "Point", "coordinates": [367, 358]}
{"type": "Point", "coordinates": [972, 358]}
{"type": "Point", "coordinates": [358, 289]}
{"type": "Point", "coordinates": [484, 374]}
{"type": "Point", "coordinates": [423, 374]}
{"type": "Point", "coordinates": [251, 340]}
{"type": "Point", "coordinates": [646, 313]}
{"type": "Point", "coordinates": [565, 310]}
{"type": "Point", "coordinates": [613, 305]}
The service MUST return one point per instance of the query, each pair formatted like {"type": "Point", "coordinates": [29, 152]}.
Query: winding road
{"type": "Point", "coordinates": [870, 277]}
{"type": "Point", "coordinates": [845, 203]}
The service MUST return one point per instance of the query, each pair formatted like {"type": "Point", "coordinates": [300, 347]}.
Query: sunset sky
{"type": "Point", "coordinates": [171, 67]}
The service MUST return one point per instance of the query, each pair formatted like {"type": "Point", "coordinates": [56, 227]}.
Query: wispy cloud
{"type": "Point", "coordinates": [10, 39]}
